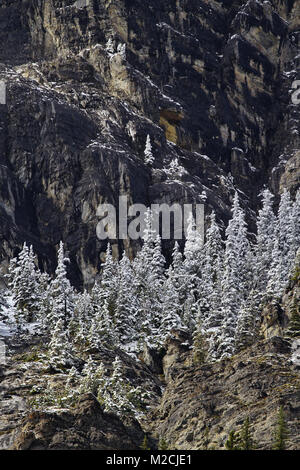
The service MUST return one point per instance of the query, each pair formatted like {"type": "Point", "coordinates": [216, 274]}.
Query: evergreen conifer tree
{"type": "Point", "coordinates": [296, 224]}
{"type": "Point", "coordinates": [266, 234]}
{"type": "Point", "coordinates": [235, 285]}
{"type": "Point", "coordinates": [171, 309]}
{"type": "Point", "coordinates": [149, 280]}
{"type": "Point", "coordinates": [285, 238]}
{"type": "Point", "coordinates": [60, 348]}
{"type": "Point", "coordinates": [103, 331]}
{"type": "Point", "coordinates": [149, 159]}
{"type": "Point", "coordinates": [274, 285]}
{"type": "Point", "coordinates": [89, 382]}
{"type": "Point", "coordinates": [127, 304]}
{"type": "Point", "coordinates": [247, 323]}
{"type": "Point", "coordinates": [246, 440]}
{"type": "Point", "coordinates": [281, 431]}
{"type": "Point", "coordinates": [163, 445]}
{"type": "Point", "coordinates": [179, 273]}
{"type": "Point", "coordinates": [145, 445]}
{"type": "Point", "coordinates": [23, 280]}
{"type": "Point", "coordinates": [108, 288]}
{"type": "Point", "coordinates": [115, 395]}
{"type": "Point", "coordinates": [210, 295]}
{"type": "Point", "coordinates": [233, 440]}
{"type": "Point", "coordinates": [82, 319]}
{"type": "Point", "coordinates": [175, 170]}
{"type": "Point", "coordinates": [61, 292]}
{"type": "Point", "coordinates": [193, 262]}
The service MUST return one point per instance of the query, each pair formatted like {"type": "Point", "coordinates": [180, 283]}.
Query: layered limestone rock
{"type": "Point", "coordinates": [85, 428]}
{"type": "Point", "coordinates": [201, 405]}
{"type": "Point", "coordinates": [87, 81]}
{"type": "Point", "coordinates": [30, 419]}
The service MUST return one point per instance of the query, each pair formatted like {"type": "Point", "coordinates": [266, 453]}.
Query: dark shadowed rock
{"type": "Point", "coordinates": [87, 427]}
{"type": "Point", "coordinates": [202, 404]}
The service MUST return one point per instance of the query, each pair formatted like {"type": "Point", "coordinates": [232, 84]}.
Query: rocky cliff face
{"type": "Point", "coordinates": [201, 405]}
{"type": "Point", "coordinates": [87, 427]}
{"type": "Point", "coordinates": [27, 423]}
{"type": "Point", "coordinates": [87, 81]}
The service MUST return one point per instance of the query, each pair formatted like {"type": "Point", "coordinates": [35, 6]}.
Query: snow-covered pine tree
{"type": "Point", "coordinates": [107, 290]}
{"type": "Point", "coordinates": [143, 258]}
{"type": "Point", "coordinates": [23, 280]}
{"type": "Point", "coordinates": [284, 249]}
{"type": "Point", "coordinates": [73, 378]}
{"type": "Point", "coordinates": [158, 261]}
{"type": "Point", "coordinates": [211, 276]}
{"type": "Point", "coordinates": [127, 306]}
{"type": "Point", "coordinates": [171, 308]}
{"type": "Point", "coordinates": [210, 287]}
{"type": "Point", "coordinates": [121, 49]}
{"type": "Point", "coordinates": [179, 273]}
{"type": "Point", "coordinates": [193, 251]}
{"type": "Point", "coordinates": [190, 310]}
{"type": "Point", "coordinates": [175, 170]}
{"type": "Point", "coordinates": [193, 260]}
{"type": "Point", "coordinates": [9, 312]}
{"type": "Point", "coordinates": [61, 291]}
{"type": "Point", "coordinates": [296, 225]}
{"type": "Point", "coordinates": [102, 331]}
{"type": "Point", "coordinates": [44, 298]}
{"type": "Point", "coordinates": [231, 298]}
{"type": "Point", "coordinates": [156, 281]}
{"type": "Point", "coordinates": [247, 324]}
{"type": "Point", "coordinates": [235, 283]}
{"type": "Point", "coordinates": [149, 275]}
{"type": "Point", "coordinates": [174, 294]}
{"type": "Point", "coordinates": [96, 297]}
{"type": "Point", "coordinates": [274, 285]}
{"type": "Point", "coordinates": [148, 154]}
{"type": "Point", "coordinates": [111, 393]}
{"type": "Point", "coordinates": [286, 244]}
{"type": "Point", "coordinates": [13, 277]}
{"type": "Point", "coordinates": [88, 380]}
{"type": "Point", "coordinates": [93, 377]}
{"type": "Point", "coordinates": [116, 393]}
{"type": "Point", "coordinates": [60, 347]}
{"type": "Point", "coordinates": [156, 276]}
{"type": "Point", "coordinates": [110, 46]}
{"type": "Point", "coordinates": [72, 384]}
{"type": "Point", "coordinates": [265, 239]}
{"type": "Point", "coordinates": [82, 319]}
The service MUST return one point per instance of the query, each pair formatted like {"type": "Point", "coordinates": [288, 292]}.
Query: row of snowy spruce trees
{"type": "Point", "coordinates": [216, 290]}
